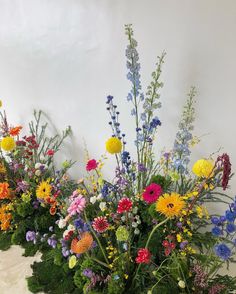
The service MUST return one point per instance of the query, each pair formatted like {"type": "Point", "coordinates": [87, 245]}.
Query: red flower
{"type": "Point", "coordinates": [91, 165]}
{"type": "Point", "coordinates": [100, 224]}
{"type": "Point", "coordinates": [50, 152]}
{"type": "Point", "coordinates": [15, 131]}
{"type": "Point", "coordinates": [224, 162]}
{"type": "Point", "coordinates": [124, 205]}
{"type": "Point", "coordinates": [152, 193]}
{"type": "Point", "coordinates": [144, 256]}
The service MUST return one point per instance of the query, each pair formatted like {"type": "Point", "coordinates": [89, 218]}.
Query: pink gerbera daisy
{"type": "Point", "coordinates": [100, 224]}
{"type": "Point", "coordinates": [124, 205]}
{"type": "Point", "coordinates": [91, 165]}
{"type": "Point", "coordinates": [152, 193]}
{"type": "Point", "coordinates": [77, 205]}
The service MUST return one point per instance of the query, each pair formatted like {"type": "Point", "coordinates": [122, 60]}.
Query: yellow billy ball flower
{"type": "Point", "coordinates": [8, 144]}
{"type": "Point", "coordinates": [203, 168]}
{"type": "Point", "coordinates": [113, 145]}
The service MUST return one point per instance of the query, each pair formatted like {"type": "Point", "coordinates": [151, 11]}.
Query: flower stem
{"type": "Point", "coordinates": [148, 241]}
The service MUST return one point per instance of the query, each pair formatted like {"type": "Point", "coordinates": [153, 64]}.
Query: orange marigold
{"type": "Point", "coordinates": [82, 245]}
{"type": "Point", "coordinates": [15, 131]}
{"type": "Point", "coordinates": [4, 191]}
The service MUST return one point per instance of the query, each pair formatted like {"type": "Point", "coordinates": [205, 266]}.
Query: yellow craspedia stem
{"type": "Point", "coordinates": [8, 144]}
{"type": "Point", "coordinates": [203, 168]}
{"type": "Point", "coordinates": [0, 103]}
{"type": "Point", "coordinates": [113, 145]}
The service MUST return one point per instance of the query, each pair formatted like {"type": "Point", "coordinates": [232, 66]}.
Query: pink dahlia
{"type": "Point", "coordinates": [100, 224]}
{"type": "Point", "coordinates": [124, 205]}
{"type": "Point", "coordinates": [91, 165]}
{"type": "Point", "coordinates": [77, 205]}
{"type": "Point", "coordinates": [152, 193]}
{"type": "Point", "coordinates": [144, 256]}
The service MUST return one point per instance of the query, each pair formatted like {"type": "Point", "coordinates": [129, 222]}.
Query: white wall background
{"type": "Point", "coordinates": [65, 56]}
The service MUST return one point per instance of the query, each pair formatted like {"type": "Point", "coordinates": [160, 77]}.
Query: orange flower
{"type": "Point", "coordinates": [53, 210]}
{"type": "Point", "coordinates": [5, 218]}
{"type": "Point", "coordinates": [15, 131]}
{"type": "Point", "coordinates": [82, 245]}
{"type": "Point", "coordinates": [4, 191]}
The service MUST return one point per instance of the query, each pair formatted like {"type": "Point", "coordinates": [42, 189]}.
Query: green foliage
{"type": "Point", "coordinates": [164, 182]}
{"type": "Point", "coordinates": [5, 240]}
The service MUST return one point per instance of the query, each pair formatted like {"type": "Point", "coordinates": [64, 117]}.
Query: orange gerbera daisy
{"type": "Point", "coordinates": [82, 245]}
{"type": "Point", "coordinates": [4, 191]}
{"type": "Point", "coordinates": [5, 218]}
{"type": "Point", "coordinates": [15, 131]}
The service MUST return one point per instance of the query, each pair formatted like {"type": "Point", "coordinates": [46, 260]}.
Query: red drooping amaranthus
{"type": "Point", "coordinates": [224, 162]}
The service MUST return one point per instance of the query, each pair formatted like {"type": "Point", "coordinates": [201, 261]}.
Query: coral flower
{"type": "Point", "coordinates": [100, 224]}
{"type": "Point", "coordinates": [4, 191]}
{"type": "Point", "coordinates": [170, 205]}
{"type": "Point", "coordinates": [8, 144]}
{"type": "Point", "coordinates": [82, 245]}
{"type": "Point", "coordinates": [144, 256]}
{"type": "Point", "coordinates": [77, 205]}
{"type": "Point", "coordinates": [124, 205]}
{"type": "Point", "coordinates": [43, 190]}
{"type": "Point", "coordinates": [152, 193]}
{"type": "Point", "coordinates": [113, 145]}
{"type": "Point", "coordinates": [91, 165]}
{"type": "Point", "coordinates": [15, 131]}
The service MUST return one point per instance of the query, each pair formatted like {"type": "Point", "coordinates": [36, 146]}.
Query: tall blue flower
{"type": "Point", "coordinates": [223, 251]}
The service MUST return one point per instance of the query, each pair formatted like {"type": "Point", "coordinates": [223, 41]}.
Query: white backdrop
{"type": "Point", "coordinates": [65, 56]}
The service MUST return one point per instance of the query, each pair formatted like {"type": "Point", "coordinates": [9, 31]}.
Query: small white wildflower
{"type": "Point", "coordinates": [181, 284]}
{"type": "Point", "coordinates": [135, 209]}
{"type": "Point", "coordinates": [61, 223]}
{"type": "Point", "coordinates": [37, 165]}
{"type": "Point", "coordinates": [93, 199]}
{"type": "Point", "coordinates": [103, 206]}
{"type": "Point", "coordinates": [123, 218]}
{"type": "Point", "coordinates": [134, 224]}
{"type": "Point", "coordinates": [38, 173]}
{"type": "Point", "coordinates": [137, 231]}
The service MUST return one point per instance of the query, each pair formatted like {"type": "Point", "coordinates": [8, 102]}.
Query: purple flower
{"type": "Point", "coordinates": [30, 236]}
{"type": "Point", "coordinates": [215, 220]}
{"type": "Point", "coordinates": [52, 242]}
{"type": "Point", "coordinates": [216, 231]}
{"type": "Point", "coordinates": [22, 186]}
{"type": "Point", "coordinates": [183, 244]}
{"type": "Point", "coordinates": [88, 273]}
{"type": "Point", "coordinates": [223, 251]}
{"type": "Point", "coordinates": [229, 216]}
{"type": "Point", "coordinates": [230, 228]}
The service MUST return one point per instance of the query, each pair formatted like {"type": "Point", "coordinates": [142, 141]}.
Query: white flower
{"type": "Point", "coordinates": [134, 224]}
{"type": "Point", "coordinates": [123, 218]}
{"type": "Point", "coordinates": [71, 228]}
{"type": "Point", "coordinates": [93, 199]}
{"type": "Point", "coordinates": [139, 222]}
{"type": "Point", "coordinates": [103, 206]}
{"type": "Point", "coordinates": [38, 165]}
{"type": "Point", "coordinates": [38, 173]}
{"type": "Point", "coordinates": [135, 209]}
{"type": "Point", "coordinates": [99, 197]}
{"type": "Point", "coordinates": [181, 284]}
{"type": "Point", "coordinates": [136, 231]}
{"type": "Point", "coordinates": [61, 223]}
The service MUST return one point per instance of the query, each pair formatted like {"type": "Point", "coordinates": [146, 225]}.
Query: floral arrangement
{"type": "Point", "coordinates": [30, 185]}
{"type": "Point", "coordinates": [149, 229]}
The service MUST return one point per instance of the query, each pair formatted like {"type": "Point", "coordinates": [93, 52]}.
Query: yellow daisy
{"type": "Point", "coordinates": [43, 190]}
{"type": "Point", "coordinates": [170, 205]}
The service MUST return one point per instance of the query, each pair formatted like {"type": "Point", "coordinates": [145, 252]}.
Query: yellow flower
{"type": "Point", "coordinates": [8, 144]}
{"type": "Point", "coordinates": [2, 168]}
{"type": "Point", "coordinates": [72, 261]}
{"type": "Point", "coordinates": [203, 168]}
{"type": "Point", "coordinates": [179, 238]}
{"type": "Point", "coordinates": [170, 205]}
{"type": "Point", "coordinates": [43, 190]}
{"type": "Point", "coordinates": [113, 145]}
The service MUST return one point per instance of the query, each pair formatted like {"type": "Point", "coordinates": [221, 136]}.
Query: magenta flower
{"type": "Point", "coordinates": [77, 205]}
